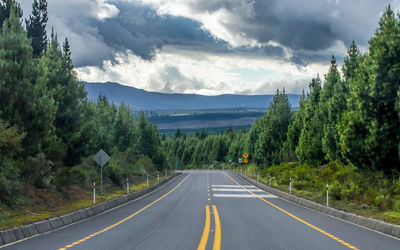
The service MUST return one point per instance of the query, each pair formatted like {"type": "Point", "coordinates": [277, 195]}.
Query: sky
{"type": "Point", "coordinates": [211, 47]}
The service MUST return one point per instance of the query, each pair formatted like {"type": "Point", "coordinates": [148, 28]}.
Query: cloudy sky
{"type": "Point", "coordinates": [211, 46]}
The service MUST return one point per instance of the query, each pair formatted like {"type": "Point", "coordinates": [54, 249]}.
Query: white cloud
{"type": "Point", "coordinates": [185, 71]}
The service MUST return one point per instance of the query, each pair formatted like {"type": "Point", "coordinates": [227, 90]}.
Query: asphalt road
{"type": "Point", "coordinates": [210, 210]}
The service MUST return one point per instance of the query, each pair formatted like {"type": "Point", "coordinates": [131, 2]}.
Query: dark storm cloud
{"type": "Point", "coordinates": [141, 30]}
{"type": "Point", "coordinates": [309, 25]}
{"type": "Point", "coordinates": [313, 25]}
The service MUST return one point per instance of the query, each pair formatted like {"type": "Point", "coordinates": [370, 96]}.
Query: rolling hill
{"type": "Point", "coordinates": [139, 99]}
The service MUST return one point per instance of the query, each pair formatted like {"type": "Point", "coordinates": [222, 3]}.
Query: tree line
{"type": "Point", "coordinates": [47, 123]}
{"type": "Point", "coordinates": [349, 116]}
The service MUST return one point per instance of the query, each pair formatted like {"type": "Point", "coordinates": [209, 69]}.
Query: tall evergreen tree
{"type": "Point", "coordinates": [332, 105]}
{"type": "Point", "coordinates": [288, 152]}
{"type": "Point", "coordinates": [309, 149]}
{"type": "Point", "coordinates": [36, 26]}
{"type": "Point", "coordinates": [351, 61]}
{"type": "Point", "coordinates": [5, 9]}
{"type": "Point", "coordinates": [69, 96]}
{"type": "Point", "coordinates": [370, 130]}
{"type": "Point", "coordinates": [274, 126]}
{"type": "Point", "coordinates": [25, 100]}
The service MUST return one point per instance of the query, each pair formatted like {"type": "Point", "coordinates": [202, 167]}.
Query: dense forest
{"type": "Point", "coordinates": [47, 125]}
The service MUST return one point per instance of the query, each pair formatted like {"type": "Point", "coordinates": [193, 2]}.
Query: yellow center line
{"type": "Point", "coordinates": [295, 217]}
{"type": "Point", "coordinates": [204, 237]}
{"type": "Point", "coordinates": [125, 219]}
{"type": "Point", "coordinates": [217, 235]}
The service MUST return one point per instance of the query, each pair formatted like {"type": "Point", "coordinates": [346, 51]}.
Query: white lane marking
{"type": "Point", "coordinates": [233, 186]}
{"type": "Point", "coordinates": [244, 195]}
{"type": "Point", "coordinates": [236, 190]}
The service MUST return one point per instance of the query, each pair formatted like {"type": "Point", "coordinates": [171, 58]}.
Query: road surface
{"type": "Point", "coordinates": [210, 210]}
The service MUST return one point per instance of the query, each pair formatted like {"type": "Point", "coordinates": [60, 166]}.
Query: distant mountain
{"type": "Point", "coordinates": [139, 99]}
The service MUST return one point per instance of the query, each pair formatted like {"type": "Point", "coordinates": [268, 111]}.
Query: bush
{"type": "Point", "coordinates": [10, 185]}
{"type": "Point", "coordinates": [336, 190]}
{"type": "Point", "coordinates": [39, 171]}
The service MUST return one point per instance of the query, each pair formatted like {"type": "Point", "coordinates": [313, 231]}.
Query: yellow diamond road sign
{"type": "Point", "coordinates": [245, 155]}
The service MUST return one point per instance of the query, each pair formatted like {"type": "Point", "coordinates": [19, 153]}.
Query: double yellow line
{"type": "Point", "coordinates": [217, 233]}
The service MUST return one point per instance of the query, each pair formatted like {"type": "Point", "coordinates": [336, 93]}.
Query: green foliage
{"type": "Point", "coordinates": [36, 27]}
{"type": "Point", "coordinates": [51, 126]}
{"type": "Point", "coordinates": [25, 101]}
{"type": "Point", "coordinates": [273, 128]}
{"type": "Point", "coordinates": [370, 129]}
{"type": "Point", "coordinates": [309, 149]}
{"type": "Point", "coordinates": [8, 6]}
{"type": "Point", "coordinates": [332, 105]}
{"type": "Point", "coordinates": [10, 146]}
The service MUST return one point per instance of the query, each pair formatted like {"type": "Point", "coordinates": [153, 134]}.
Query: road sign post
{"type": "Point", "coordinates": [101, 158]}
{"type": "Point", "coordinates": [147, 180]}
{"type": "Point", "coordinates": [94, 192]}
{"type": "Point", "coordinates": [127, 185]}
{"type": "Point", "coordinates": [327, 196]}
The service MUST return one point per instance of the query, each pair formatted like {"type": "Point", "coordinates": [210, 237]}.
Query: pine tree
{"type": "Point", "coordinates": [36, 26]}
{"type": "Point", "coordinates": [309, 149]}
{"type": "Point", "coordinates": [69, 96]}
{"type": "Point", "coordinates": [370, 130]}
{"type": "Point", "coordinates": [288, 152]}
{"type": "Point", "coordinates": [274, 126]}
{"type": "Point", "coordinates": [351, 62]}
{"type": "Point", "coordinates": [5, 9]}
{"type": "Point", "coordinates": [332, 105]}
{"type": "Point", "coordinates": [25, 100]}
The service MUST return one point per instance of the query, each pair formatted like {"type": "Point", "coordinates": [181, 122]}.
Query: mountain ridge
{"type": "Point", "coordinates": [139, 99]}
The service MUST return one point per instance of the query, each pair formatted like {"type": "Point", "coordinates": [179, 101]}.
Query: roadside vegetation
{"type": "Point", "coordinates": [346, 133]}
{"type": "Point", "coordinates": [49, 129]}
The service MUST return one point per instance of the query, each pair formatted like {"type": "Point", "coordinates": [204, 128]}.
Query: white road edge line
{"type": "Point", "coordinates": [370, 229]}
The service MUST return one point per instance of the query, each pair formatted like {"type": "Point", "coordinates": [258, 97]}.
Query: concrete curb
{"type": "Point", "coordinates": [11, 235]}
{"type": "Point", "coordinates": [29, 230]}
{"type": "Point", "coordinates": [377, 225]}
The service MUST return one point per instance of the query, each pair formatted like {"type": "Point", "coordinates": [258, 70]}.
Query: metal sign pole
{"type": "Point", "coordinates": [101, 178]}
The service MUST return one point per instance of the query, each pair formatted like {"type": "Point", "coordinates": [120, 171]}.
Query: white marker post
{"type": "Point", "coordinates": [94, 192]}
{"type": "Point", "coordinates": [147, 180]}
{"type": "Point", "coordinates": [127, 185]}
{"type": "Point", "coordinates": [158, 176]}
{"type": "Point", "coordinates": [258, 177]}
{"type": "Point", "coordinates": [327, 196]}
{"type": "Point", "coordinates": [290, 186]}
{"type": "Point", "coordinates": [166, 173]}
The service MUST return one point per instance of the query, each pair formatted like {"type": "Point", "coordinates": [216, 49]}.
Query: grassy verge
{"type": "Point", "coordinates": [43, 205]}
{"type": "Point", "coordinates": [371, 195]}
